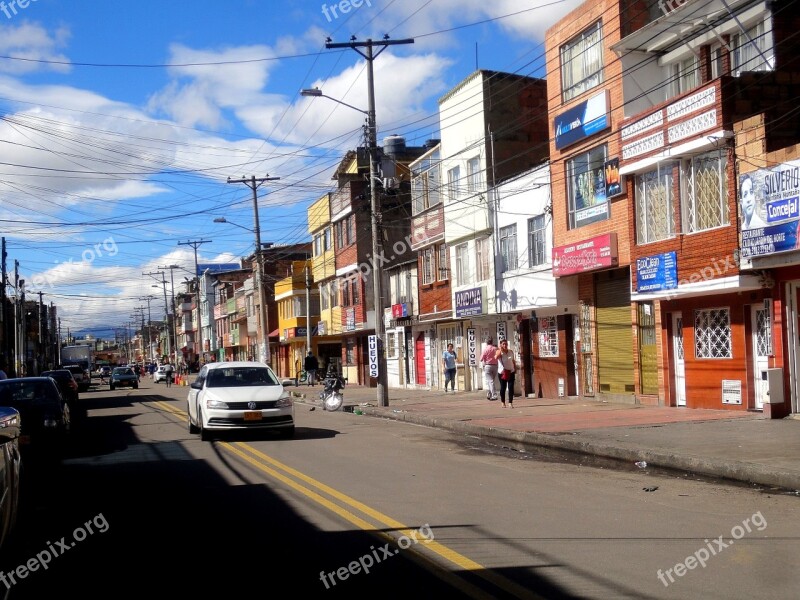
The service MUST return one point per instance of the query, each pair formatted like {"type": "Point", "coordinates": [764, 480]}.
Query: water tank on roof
{"type": "Point", "coordinates": [394, 145]}
{"type": "Point", "coordinates": [431, 143]}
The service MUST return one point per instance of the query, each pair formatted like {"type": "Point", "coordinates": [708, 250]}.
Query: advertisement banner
{"type": "Point", "coordinates": [599, 252]}
{"type": "Point", "coordinates": [769, 209]}
{"type": "Point", "coordinates": [469, 302]}
{"type": "Point", "coordinates": [582, 120]}
{"type": "Point", "coordinates": [657, 272]}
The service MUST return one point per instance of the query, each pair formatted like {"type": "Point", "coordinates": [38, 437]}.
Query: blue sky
{"type": "Point", "coordinates": [121, 123]}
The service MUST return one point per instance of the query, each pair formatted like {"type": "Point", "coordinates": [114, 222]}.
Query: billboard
{"type": "Point", "coordinates": [599, 252]}
{"type": "Point", "coordinates": [217, 267]}
{"type": "Point", "coordinates": [769, 209]}
{"type": "Point", "coordinates": [582, 120]}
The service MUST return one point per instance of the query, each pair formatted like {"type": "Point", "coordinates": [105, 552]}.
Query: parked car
{"type": "Point", "coordinates": [44, 414]}
{"type": "Point", "coordinates": [123, 377]}
{"type": "Point", "coordinates": [104, 371]}
{"type": "Point", "coordinates": [239, 396]}
{"type": "Point", "coordinates": [66, 384]}
{"type": "Point", "coordinates": [81, 375]}
{"type": "Point", "coordinates": [9, 471]}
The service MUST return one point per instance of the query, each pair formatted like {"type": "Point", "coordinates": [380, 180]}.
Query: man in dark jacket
{"type": "Point", "coordinates": [310, 366]}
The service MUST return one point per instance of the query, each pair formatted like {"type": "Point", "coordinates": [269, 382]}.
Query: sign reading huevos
{"type": "Point", "coordinates": [472, 348]}
{"type": "Point", "coordinates": [372, 345]}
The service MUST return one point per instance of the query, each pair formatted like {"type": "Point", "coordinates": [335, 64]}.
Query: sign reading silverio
{"type": "Point", "coordinates": [469, 302]}
{"type": "Point", "coordinates": [599, 252]}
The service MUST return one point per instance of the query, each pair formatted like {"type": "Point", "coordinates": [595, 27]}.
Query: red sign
{"type": "Point", "coordinates": [399, 311]}
{"type": "Point", "coordinates": [599, 252]}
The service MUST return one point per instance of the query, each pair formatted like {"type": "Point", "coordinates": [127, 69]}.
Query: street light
{"type": "Point", "coordinates": [166, 315]}
{"type": "Point", "coordinates": [377, 237]}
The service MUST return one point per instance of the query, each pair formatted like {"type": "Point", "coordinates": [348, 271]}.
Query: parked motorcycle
{"type": "Point", "coordinates": [332, 394]}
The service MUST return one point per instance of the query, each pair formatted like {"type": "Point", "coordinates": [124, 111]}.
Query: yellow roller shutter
{"type": "Point", "coordinates": [614, 333]}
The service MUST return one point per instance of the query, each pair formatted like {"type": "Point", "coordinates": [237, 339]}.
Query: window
{"type": "Point", "coordinates": [654, 212]}
{"type": "Point", "coordinates": [427, 266]}
{"type": "Point", "coordinates": [586, 188]}
{"type": "Point", "coordinates": [318, 244]}
{"type": "Point", "coordinates": [685, 75]}
{"type": "Point", "coordinates": [327, 241]}
{"type": "Point", "coordinates": [453, 180]}
{"type": "Point", "coordinates": [334, 292]}
{"type": "Point", "coordinates": [712, 333]}
{"type": "Point", "coordinates": [391, 344]}
{"type": "Point", "coordinates": [354, 291]}
{"type": "Point", "coordinates": [345, 288]}
{"type": "Point", "coordinates": [582, 62]}
{"type": "Point", "coordinates": [705, 191]}
{"type": "Point", "coordinates": [462, 265]}
{"type": "Point", "coordinates": [426, 190]}
{"type": "Point", "coordinates": [483, 252]}
{"type": "Point", "coordinates": [717, 67]}
{"type": "Point", "coordinates": [508, 247]}
{"type": "Point", "coordinates": [537, 241]}
{"type": "Point", "coordinates": [344, 232]}
{"type": "Point", "coordinates": [752, 50]}
{"type": "Point", "coordinates": [444, 263]}
{"type": "Point", "coordinates": [548, 337]}
{"type": "Point", "coordinates": [323, 293]}
{"type": "Point", "coordinates": [474, 178]}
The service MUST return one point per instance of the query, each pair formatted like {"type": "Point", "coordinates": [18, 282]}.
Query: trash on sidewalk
{"type": "Point", "coordinates": [641, 464]}
{"type": "Point", "coordinates": [358, 411]}
{"type": "Point", "coordinates": [652, 488]}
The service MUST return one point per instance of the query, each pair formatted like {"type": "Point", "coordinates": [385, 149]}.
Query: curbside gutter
{"type": "Point", "coordinates": [731, 470]}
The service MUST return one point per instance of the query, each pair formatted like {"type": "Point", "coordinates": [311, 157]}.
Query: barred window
{"type": "Point", "coordinates": [444, 263]}
{"type": "Point", "coordinates": [654, 210]}
{"type": "Point", "coordinates": [705, 191]}
{"type": "Point", "coordinates": [548, 337]}
{"type": "Point", "coordinates": [712, 333]}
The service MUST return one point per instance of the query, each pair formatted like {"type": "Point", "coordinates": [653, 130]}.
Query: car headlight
{"type": "Point", "coordinates": [214, 403]}
{"type": "Point", "coordinates": [50, 423]}
{"type": "Point", "coordinates": [284, 401]}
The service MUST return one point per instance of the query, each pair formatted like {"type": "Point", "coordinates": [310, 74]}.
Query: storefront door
{"type": "Point", "coordinates": [678, 359]}
{"type": "Point", "coordinates": [419, 359]}
{"type": "Point", "coordinates": [762, 348]}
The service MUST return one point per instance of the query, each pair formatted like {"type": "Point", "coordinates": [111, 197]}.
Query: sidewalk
{"type": "Point", "coordinates": [735, 445]}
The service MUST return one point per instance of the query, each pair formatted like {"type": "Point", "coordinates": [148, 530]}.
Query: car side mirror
{"type": "Point", "coordinates": [196, 385]}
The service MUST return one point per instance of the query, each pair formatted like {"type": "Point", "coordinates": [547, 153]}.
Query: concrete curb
{"type": "Point", "coordinates": [734, 471]}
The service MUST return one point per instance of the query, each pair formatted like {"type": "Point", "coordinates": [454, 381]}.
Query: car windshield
{"type": "Point", "coordinates": [123, 371]}
{"type": "Point", "coordinates": [240, 377]}
{"type": "Point", "coordinates": [17, 393]}
{"type": "Point", "coordinates": [58, 374]}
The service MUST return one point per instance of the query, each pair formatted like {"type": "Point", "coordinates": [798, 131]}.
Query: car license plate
{"type": "Point", "coordinates": [252, 415]}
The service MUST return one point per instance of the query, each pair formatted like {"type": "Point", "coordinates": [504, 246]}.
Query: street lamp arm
{"type": "Point", "coordinates": [317, 93]}
{"type": "Point", "coordinates": [224, 220]}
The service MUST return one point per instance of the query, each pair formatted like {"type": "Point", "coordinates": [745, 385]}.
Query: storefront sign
{"type": "Point", "coordinates": [399, 311]}
{"type": "Point", "coordinates": [599, 252]}
{"type": "Point", "coordinates": [769, 210]}
{"type": "Point", "coordinates": [350, 319]}
{"type": "Point", "coordinates": [298, 332]}
{"type": "Point", "coordinates": [614, 185]}
{"type": "Point", "coordinates": [501, 331]}
{"type": "Point", "coordinates": [372, 343]}
{"type": "Point", "coordinates": [657, 272]}
{"type": "Point", "coordinates": [321, 328]}
{"type": "Point", "coordinates": [472, 348]}
{"type": "Point", "coordinates": [469, 302]}
{"type": "Point", "coordinates": [582, 120]}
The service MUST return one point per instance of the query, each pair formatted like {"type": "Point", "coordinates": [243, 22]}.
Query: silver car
{"type": "Point", "coordinates": [239, 396]}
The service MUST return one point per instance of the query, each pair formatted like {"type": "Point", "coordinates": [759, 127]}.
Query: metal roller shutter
{"type": "Point", "coordinates": [614, 333]}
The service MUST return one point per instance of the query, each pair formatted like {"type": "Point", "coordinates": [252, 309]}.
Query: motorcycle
{"type": "Point", "coordinates": [332, 394]}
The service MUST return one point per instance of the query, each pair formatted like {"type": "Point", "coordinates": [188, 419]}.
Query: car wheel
{"type": "Point", "coordinates": [192, 427]}
{"type": "Point", "coordinates": [286, 432]}
{"type": "Point", "coordinates": [136, 386]}
{"type": "Point", "coordinates": [205, 434]}
{"type": "Point", "coordinates": [112, 387]}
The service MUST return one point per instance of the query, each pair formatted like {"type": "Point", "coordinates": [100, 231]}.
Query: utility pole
{"type": "Point", "coordinates": [167, 335]}
{"type": "Point", "coordinates": [39, 351]}
{"type": "Point", "coordinates": [254, 183]}
{"type": "Point", "coordinates": [198, 336]}
{"type": "Point", "coordinates": [3, 299]}
{"type": "Point", "coordinates": [149, 328]}
{"type": "Point", "coordinates": [375, 201]}
{"type": "Point", "coordinates": [308, 308]}
{"type": "Point", "coordinates": [174, 312]}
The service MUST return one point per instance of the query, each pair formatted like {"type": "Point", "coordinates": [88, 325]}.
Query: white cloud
{"type": "Point", "coordinates": [32, 46]}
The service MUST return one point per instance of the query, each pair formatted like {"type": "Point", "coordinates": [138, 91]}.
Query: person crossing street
{"type": "Point", "coordinates": [169, 370]}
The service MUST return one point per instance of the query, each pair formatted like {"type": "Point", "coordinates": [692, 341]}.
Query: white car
{"type": "Point", "coordinates": [160, 374]}
{"type": "Point", "coordinates": [238, 396]}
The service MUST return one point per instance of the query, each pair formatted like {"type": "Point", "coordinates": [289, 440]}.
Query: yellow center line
{"type": "Point", "coordinates": [433, 546]}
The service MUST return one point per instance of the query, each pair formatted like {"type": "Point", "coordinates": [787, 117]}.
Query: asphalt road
{"type": "Point", "coordinates": [141, 508]}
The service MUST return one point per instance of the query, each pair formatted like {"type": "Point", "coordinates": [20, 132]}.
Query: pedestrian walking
{"type": "Point", "coordinates": [489, 364]}
{"type": "Point", "coordinates": [311, 366]}
{"type": "Point", "coordinates": [449, 367]}
{"type": "Point", "coordinates": [508, 369]}
{"type": "Point", "coordinates": [169, 370]}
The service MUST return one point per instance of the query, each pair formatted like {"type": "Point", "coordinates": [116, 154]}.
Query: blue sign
{"type": "Point", "coordinates": [657, 272]}
{"type": "Point", "coordinates": [581, 121]}
{"type": "Point", "coordinates": [780, 210]}
{"type": "Point", "coordinates": [770, 239]}
{"type": "Point", "coordinates": [469, 302]}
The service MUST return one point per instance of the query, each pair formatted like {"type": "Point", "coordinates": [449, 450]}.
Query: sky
{"type": "Point", "coordinates": [122, 122]}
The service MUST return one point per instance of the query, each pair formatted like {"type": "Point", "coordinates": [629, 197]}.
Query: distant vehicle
{"type": "Point", "coordinates": [104, 371]}
{"type": "Point", "coordinates": [83, 355]}
{"type": "Point", "coordinates": [160, 374]}
{"type": "Point", "coordinates": [123, 377]}
{"type": "Point", "coordinates": [81, 375]}
{"type": "Point", "coordinates": [236, 396]}
{"type": "Point", "coordinates": [9, 471]}
{"type": "Point", "coordinates": [44, 414]}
